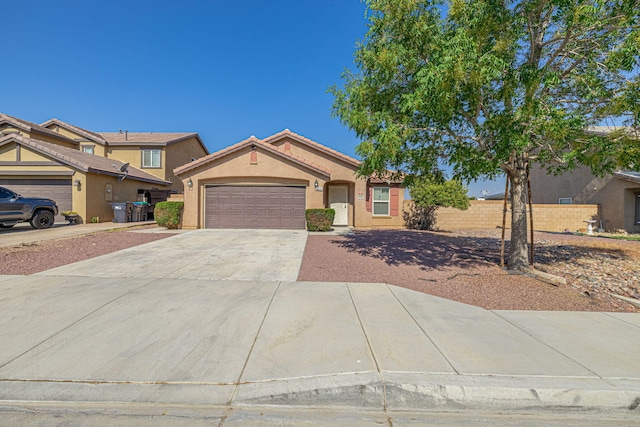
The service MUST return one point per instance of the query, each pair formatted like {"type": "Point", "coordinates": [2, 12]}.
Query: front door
{"type": "Point", "coordinates": [339, 201]}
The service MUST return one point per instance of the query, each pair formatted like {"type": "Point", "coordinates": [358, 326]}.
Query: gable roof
{"type": "Point", "coordinates": [269, 145]}
{"type": "Point", "coordinates": [30, 127]}
{"type": "Point", "coordinates": [82, 161]}
{"type": "Point", "coordinates": [92, 136]}
{"type": "Point", "coordinates": [310, 143]}
{"type": "Point", "coordinates": [254, 142]}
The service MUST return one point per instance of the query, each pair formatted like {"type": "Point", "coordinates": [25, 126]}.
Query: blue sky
{"type": "Point", "coordinates": [224, 69]}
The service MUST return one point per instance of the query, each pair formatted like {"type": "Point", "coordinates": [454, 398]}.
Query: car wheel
{"type": "Point", "coordinates": [6, 225]}
{"type": "Point", "coordinates": [42, 219]}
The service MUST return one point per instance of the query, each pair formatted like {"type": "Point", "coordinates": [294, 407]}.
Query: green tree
{"type": "Point", "coordinates": [428, 195]}
{"type": "Point", "coordinates": [487, 86]}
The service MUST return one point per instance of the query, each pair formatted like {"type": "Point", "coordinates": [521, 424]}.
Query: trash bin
{"type": "Point", "coordinates": [120, 212]}
{"type": "Point", "coordinates": [139, 211]}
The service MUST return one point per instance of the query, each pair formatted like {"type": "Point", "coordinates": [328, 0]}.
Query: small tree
{"type": "Point", "coordinates": [428, 195]}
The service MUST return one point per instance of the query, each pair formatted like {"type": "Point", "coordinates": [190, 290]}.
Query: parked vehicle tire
{"type": "Point", "coordinates": [42, 219]}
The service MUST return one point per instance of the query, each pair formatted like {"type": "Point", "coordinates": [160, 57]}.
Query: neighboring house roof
{"type": "Point", "coordinates": [310, 143]}
{"type": "Point", "coordinates": [82, 161]}
{"type": "Point", "coordinates": [92, 136]}
{"type": "Point", "coordinates": [628, 176]}
{"type": "Point", "coordinates": [252, 141]}
{"type": "Point", "coordinates": [497, 196]}
{"type": "Point", "coordinates": [149, 138]}
{"type": "Point", "coordinates": [605, 130]}
{"type": "Point", "coordinates": [30, 127]}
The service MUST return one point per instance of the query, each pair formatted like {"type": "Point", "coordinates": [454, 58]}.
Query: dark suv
{"type": "Point", "coordinates": [14, 208]}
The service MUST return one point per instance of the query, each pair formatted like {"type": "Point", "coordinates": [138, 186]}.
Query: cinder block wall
{"type": "Point", "coordinates": [488, 214]}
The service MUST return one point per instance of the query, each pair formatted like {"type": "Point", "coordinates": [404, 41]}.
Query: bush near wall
{"type": "Point", "coordinates": [168, 214]}
{"type": "Point", "coordinates": [319, 219]}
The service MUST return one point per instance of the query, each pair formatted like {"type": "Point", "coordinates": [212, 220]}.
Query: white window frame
{"type": "Point", "coordinates": [380, 202]}
{"type": "Point", "coordinates": [151, 164]}
{"type": "Point", "coordinates": [88, 149]}
{"type": "Point", "coordinates": [565, 201]}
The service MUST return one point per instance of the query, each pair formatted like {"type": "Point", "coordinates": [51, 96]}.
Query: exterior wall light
{"type": "Point", "coordinates": [190, 184]}
{"type": "Point", "coordinates": [315, 185]}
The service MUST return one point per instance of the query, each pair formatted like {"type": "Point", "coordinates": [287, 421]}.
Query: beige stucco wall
{"type": "Point", "coordinates": [488, 214]}
{"type": "Point", "coordinates": [97, 199]}
{"type": "Point", "coordinates": [133, 156]}
{"type": "Point", "coordinates": [8, 152]}
{"type": "Point", "coordinates": [178, 154]}
{"type": "Point", "coordinates": [272, 169]}
{"type": "Point", "coordinates": [614, 195]}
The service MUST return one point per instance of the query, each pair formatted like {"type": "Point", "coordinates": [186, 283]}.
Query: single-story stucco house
{"type": "Point", "coordinates": [270, 182]}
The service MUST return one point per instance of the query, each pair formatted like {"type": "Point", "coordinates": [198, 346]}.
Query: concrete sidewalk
{"type": "Point", "coordinates": [243, 344]}
{"type": "Point", "coordinates": [212, 319]}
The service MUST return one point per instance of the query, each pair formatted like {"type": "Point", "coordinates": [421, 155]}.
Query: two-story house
{"type": "Point", "coordinates": [86, 171]}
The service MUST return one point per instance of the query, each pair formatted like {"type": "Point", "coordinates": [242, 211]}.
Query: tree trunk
{"type": "Point", "coordinates": [518, 248]}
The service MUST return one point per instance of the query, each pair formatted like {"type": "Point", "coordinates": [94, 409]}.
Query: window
{"type": "Point", "coordinates": [381, 201]}
{"type": "Point", "coordinates": [151, 158]}
{"type": "Point", "coordinates": [565, 201]}
{"type": "Point", "coordinates": [6, 194]}
{"type": "Point", "coordinates": [87, 149]}
{"type": "Point", "coordinates": [638, 208]}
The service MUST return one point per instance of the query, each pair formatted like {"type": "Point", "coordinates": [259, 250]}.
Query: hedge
{"type": "Point", "coordinates": [168, 214]}
{"type": "Point", "coordinates": [319, 219]}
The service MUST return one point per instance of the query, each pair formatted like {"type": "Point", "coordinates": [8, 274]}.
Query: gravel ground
{"type": "Point", "coordinates": [36, 257]}
{"type": "Point", "coordinates": [464, 266]}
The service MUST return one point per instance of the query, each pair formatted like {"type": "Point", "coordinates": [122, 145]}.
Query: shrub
{"type": "Point", "coordinates": [319, 219]}
{"type": "Point", "coordinates": [168, 214]}
{"type": "Point", "coordinates": [420, 217]}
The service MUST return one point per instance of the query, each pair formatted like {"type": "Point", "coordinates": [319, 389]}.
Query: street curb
{"type": "Point", "coordinates": [437, 392]}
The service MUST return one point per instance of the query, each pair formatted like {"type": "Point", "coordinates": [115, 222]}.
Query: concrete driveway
{"type": "Point", "coordinates": [203, 254]}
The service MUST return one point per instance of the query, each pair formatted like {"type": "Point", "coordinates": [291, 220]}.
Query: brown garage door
{"type": "Point", "coordinates": [255, 207]}
{"type": "Point", "coordinates": [56, 189]}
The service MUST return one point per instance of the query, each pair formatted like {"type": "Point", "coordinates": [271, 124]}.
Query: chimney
{"type": "Point", "coordinates": [126, 135]}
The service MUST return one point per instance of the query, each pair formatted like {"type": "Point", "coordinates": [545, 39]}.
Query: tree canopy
{"type": "Point", "coordinates": [487, 87]}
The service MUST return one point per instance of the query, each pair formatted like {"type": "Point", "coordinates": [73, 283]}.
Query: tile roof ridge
{"type": "Point", "coordinates": [49, 148]}
{"type": "Point", "coordinates": [215, 155]}
{"type": "Point", "coordinates": [251, 140]}
{"type": "Point", "coordinates": [31, 126]}
{"type": "Point", "coordinates": [73, 127]}
{"type": "Point", "coordinates": [288, 132]}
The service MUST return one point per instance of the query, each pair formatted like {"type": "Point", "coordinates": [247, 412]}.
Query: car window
{"type": "Point", "coordinates": [5, 194]}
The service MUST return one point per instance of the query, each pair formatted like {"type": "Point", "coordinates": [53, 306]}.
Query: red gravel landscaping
{"type": "Point", "coordinates": [460, 266]}
{"type": "Point", "coordinates": [41, 256]}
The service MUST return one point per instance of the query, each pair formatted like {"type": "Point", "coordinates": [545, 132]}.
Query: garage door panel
{"type": "Point", "coordinates": [275, 207]}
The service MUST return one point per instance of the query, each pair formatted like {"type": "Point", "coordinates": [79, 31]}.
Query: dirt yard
{"type": "Point", "coordinates": [464, 266]}
{"type": "Point", "coordinates": [41, 256]}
